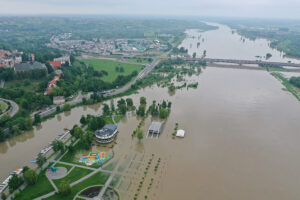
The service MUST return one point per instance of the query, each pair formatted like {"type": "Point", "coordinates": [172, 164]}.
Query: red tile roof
{"type": "Point", "coordinates": [55, 64]}
{"type": "Point", "coordinates": [48, 91]}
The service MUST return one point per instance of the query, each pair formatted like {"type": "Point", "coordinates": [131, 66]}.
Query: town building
{"type": "Point", "coordinates": [55, 64]}
{"type": "Point", "coordinates": [32, 57]}
{"type": "Point", "coordinates": [63, 60]}
{"type": "Point", "coordinates": [155, 127]}
{"type": "Point", "coordinates": [107, 134]}
{"type": "Point", "coordinates": [22, 67]}
{"type": "Point", "coordinates": [53, 82]}
{"type": "Point", "coordinates": [18, 59]}
{"type": "Point", "coordinates": [48, 91]}
{"type": "Point", "coordinates": [58, 100]}
{"type": "Point", "coordinates": [8, 59]}
{"type": "Point", "coordinates": [180, 133]}
{"type": "Point", "coordinates": [51, 85]}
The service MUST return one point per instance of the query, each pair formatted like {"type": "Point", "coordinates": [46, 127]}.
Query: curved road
{"type": "Point", "coordinates": [142, 74]}
{"type": "Point", "coordinates": [14, 107]}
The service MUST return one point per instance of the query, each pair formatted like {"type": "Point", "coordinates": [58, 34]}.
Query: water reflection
{"type": "Point", "coordinates": [58, 117]}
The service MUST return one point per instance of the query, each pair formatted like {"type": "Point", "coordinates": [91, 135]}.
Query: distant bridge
{"type": "Point", "coordinates": [243, 62]}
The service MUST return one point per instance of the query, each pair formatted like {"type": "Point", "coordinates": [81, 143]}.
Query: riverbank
{"type": "Point", "coordinates": [223, 106]}
{"type": "Point", "coordinates": [287, 85]}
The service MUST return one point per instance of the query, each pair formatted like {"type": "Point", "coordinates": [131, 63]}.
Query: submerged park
{"type": "Point", "coordinates": [232, 118]}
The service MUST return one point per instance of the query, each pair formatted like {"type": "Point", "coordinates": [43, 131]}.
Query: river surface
{"type": "Point", "coordinates": [242, 139]}
{"type": "Point", "coordinates": [228, 44]}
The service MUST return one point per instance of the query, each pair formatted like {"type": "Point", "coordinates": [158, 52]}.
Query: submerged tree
{"type": "Point", "coordinates": [143, 101]}
{"type": "Point", "coordinates": [129, 102]}
{"type": "Point", "coordinates": [105, 109]}
{"type": "Point", "coordinates": [139, 134]}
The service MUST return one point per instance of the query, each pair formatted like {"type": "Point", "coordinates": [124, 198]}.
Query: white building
{"type": "Point", "coordinates": [180, 133]}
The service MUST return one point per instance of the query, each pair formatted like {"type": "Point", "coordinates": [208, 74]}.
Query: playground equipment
{"type": "Point", "coordinates": [52, 168]}
{"type": "Point", "coordinates": [93, 158]}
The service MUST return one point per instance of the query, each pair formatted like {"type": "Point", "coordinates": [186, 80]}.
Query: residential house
{"type": "Point", "coordinates": [63, 59]}
{"type": "Point", "coordinates": [58, 100]}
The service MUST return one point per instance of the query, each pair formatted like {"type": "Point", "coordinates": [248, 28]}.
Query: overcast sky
{"type": "Point", "coordinates": [229, 8]}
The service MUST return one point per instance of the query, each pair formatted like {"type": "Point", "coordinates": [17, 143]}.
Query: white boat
{"type": "Point", "coordinates": [46, 149]}
{"type": "Point", "coordinates": [4, 184]}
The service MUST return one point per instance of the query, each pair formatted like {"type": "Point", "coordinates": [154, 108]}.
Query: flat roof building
{"type": "Point", "coordinates": [107, 134]}
{"type": "Point", "coordinates": [180, 133]}
{"type": "Point", "coordinates": [155, 128]}
{"type": "Point", "coordinates": [59, 100]}
{"type": "Point", "coordinates": [22, 67]}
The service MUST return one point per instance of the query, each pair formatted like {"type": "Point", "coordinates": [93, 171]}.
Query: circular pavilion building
{"type": "Point", "coordinates": [107, 134]}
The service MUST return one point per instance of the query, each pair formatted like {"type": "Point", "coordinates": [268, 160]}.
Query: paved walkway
{"type": "Point", "coordinates": [58, 174]}
{"type": "Point", "coordinates": [104, 188]}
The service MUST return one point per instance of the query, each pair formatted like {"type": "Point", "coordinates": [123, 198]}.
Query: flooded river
{"type": "Point", "coordinates": [242, 140]}
{"type": "Point", "coordinates": [227, 44]}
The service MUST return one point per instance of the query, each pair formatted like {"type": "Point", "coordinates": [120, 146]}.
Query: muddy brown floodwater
{"type": "Point", "coordinates": [242, 141]}
{"type": "Point", "coordinates": [242, 134]}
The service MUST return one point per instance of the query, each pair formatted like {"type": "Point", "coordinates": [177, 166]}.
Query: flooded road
{"type": "Point", "coordinates": [227, 44]}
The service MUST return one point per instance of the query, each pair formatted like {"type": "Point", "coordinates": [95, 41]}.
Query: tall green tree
{"type": "Point", "coordinates": [30, 177]}
{"type": "Point", "coordinates": [15, 182]}
{"type": "Point", "coordinates": [3, 196]}
{"type": "Point", "coordinates": [37, 118]}
{"type": "Point", "coordinates": [129, 102]}
{"type": "Point", "coordinates": [78, 132]}
{"type": "Point", "coordinates": [141, 110]}
{"type": "Point", "coordinates": [105, 109]}
{"type": "Point", "coordinates": [41, 160]}
{"type": "Point", "coordinates": [112, 105]}
{"type": "Point", "coordinates": [58, 145]}
{"type": "Point", "coordinates": [83, 120]}
{"type": "Point", "coordinates": [143, 101]}
{"type": "Point", "coordinates": [64, 188]}
{"type": "Point", "coordinates": [163, 113]}
{"type": "Point", "coordinates": [140, 134]}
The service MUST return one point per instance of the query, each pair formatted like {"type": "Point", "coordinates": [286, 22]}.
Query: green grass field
{"type": "Point", "coordinates": [108, 119]}
{"type": "Point", "coordinates": [97, 179]}
{"type": "Point", "coordinates": [110, 67]}
{"type": "Point", "coordinates": [68, 167]}
{"type": "Point", "coordinates": [138, 61]}
{"type": "Point", "coordinates": [287, 84]}
{"type": "Point", "coordinates": [76, 174]}
{"type": "Point", "coordinates": [31, 87]}
{"type": "Point", "coordinates": [42, 187]}
{"type": "Point", "coordinates": [2, 106]}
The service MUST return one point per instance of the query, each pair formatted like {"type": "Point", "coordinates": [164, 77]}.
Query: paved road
{"type": "Point", "coordinates": [14, 107]}
{"type": "Point", "coordinates": [2, 83]}
{"type": "Point", "coordinates": [142, 74]}
{"type": "Point", "coordinates": [78, 99]}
